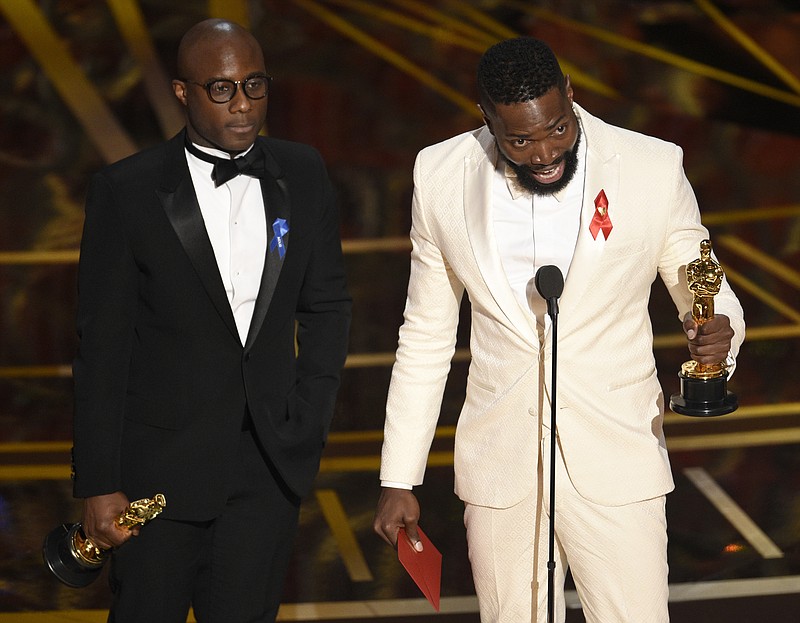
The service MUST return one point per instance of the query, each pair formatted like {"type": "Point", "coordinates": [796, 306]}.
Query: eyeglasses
{"type": "Point", "coordinates": [223, 91]}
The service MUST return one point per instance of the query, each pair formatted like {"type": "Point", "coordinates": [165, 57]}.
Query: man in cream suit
{"type": "Point", "coordinates": [545, 182]}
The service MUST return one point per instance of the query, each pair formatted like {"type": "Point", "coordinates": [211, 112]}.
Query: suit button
{"type": "Point", "coordinates": [532, 411]}
{"type": "Point", "coordinates": [247, 357]}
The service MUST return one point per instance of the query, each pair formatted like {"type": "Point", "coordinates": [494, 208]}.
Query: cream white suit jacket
{"type": "Point", "coordinates": [610, 404]}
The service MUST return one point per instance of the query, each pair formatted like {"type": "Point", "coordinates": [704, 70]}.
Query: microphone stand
{"type": "Point", "coordinates": [552, 311]}
{"type": "Point", "coordinates": [550, 284]}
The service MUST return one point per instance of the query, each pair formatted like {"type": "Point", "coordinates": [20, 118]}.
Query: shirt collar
{"type": "Point", "coordinates": [218, 153]}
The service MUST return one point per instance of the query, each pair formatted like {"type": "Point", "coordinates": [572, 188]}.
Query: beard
{"type": "Point", "coordinates": [529, 183]}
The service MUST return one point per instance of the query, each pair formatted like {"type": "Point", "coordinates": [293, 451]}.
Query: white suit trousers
{"type": "Point", "coordinates": [617, 554]}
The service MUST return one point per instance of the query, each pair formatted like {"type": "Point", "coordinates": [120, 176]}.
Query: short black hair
{"type": "Point", "coordinates": [517, 70]}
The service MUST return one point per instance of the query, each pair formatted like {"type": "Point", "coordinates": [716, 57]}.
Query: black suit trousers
{"type": "Point", "coordinates": [230, 569]}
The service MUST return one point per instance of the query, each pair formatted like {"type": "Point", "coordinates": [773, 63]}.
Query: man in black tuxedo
{"type": "Point", "coordinates": [213, 319]}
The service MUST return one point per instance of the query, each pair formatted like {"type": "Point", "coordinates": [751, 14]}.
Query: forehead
{"type": "Point", "coordinates": [535, 116]}
{"type": "Point", "coordinates": [226, 57]}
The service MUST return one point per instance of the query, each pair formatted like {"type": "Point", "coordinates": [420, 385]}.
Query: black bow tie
{"type": "Point", "coordinates": [225, 169]}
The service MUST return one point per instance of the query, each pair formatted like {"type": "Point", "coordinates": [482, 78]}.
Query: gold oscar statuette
{"type": "Point", "coordinates": [704, 390]}
{"type": "Point", "coordinates": [76, 560]}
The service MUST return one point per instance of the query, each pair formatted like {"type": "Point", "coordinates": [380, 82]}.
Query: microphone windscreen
{"type": "Point", "coordinates": [549, 282]}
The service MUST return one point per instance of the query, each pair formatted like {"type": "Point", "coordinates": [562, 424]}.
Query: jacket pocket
{"type": "Point", "coordinates": [639, 378]}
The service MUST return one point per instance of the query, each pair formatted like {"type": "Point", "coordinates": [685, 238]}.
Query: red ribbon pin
{"type": "Point", "coordinates": [600, 219]}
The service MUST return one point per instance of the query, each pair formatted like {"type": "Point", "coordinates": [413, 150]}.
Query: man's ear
{"type": "Point", "coordinates": [486, 119]}
{"type": "Point", "coordinates": [179, 89]}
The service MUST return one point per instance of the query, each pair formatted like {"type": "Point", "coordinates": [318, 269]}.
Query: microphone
{"type": "Point", "coordinates": [550, 284]}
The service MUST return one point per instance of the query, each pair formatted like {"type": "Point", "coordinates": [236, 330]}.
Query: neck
{"type": "Point", "coordinates": [196, 139]}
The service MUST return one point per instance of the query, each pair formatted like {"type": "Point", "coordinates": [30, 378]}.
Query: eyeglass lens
{"type": "Point", "coordinates": [222, 91]}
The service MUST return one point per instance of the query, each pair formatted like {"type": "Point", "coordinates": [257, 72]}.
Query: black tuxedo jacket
{"type": "Point", "coordinates": [162, 381]}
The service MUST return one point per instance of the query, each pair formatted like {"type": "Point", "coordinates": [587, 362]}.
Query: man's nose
{"type": "Point", "coordinates": [542, 153]}
{"type": "Point", "coordinates": [240, 102]}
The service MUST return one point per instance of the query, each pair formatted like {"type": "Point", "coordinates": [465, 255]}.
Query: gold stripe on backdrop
{"type": "Point", "coordinates": [386, 53]}
{"type": "Point", "coordinates": [355, 246]}
{"type": "Point", "coordinates": [446, 22]}
{"type": "Point", "coordinates": [660, 55]}
{"type": "Point", "coordinates": [21, 258]}
{"type": "Point", "coordinates": [577, 76]}
{"type": "Point", "coordinates": [31, 447]}
{"type": "Point", "coordinates": [375, 245]}
{"type": "Point", "coordinates": [35, 472]}
{"type": "Point", "coordinates": [743, 413]}
{"type": "Point", "coordinates": [232, 10]}
{"type": "Point", "coordinates": [747, 285]}
{"type": "Point", "coordinates": [755, 214]}
{"type": "Point", "coordinates": [371, 463]}
{"type": "Point", "coordinates": [35, 372]}
{"type": "Point", "coordinates": [485, 21]}
{"type": "Point", "coordinates": [675, 443]}
{"type": "Point", "coordinates": [759, 258]}
{"type": "Point", "coordinates": [343, 535]}
{"type": "Point", "coordinates": [754, 334]}
{"type": "Point", "coordinates": [352, 246]}
{"type": "Point", "coordinates": [735, 514]}
{"type": "Point", "coordinates": [738, 35]}
{"type": "Point", "coordinates": [472, 40]}
{"type": "Point", "coordinates": [79, 94]}
{"type": "Point", "coordinates": [131, 24]}
{"type": "Point", "coordinates": [386, 359]}
{"type": "Point", "coordinates": [749, 439]}
{"type": "Point", "coordinates": [493, 31]}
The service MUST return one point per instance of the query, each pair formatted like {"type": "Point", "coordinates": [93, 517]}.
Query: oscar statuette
{"type": "Point", "coordinates": [704, 387]}
{"type": "Point", "coordinates": [75, 560]}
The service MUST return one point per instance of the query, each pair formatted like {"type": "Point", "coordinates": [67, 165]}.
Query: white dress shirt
{"type": "Point", "coordinates": [532, 231]}
{"type": "Point", "coordinates": [237, 227]}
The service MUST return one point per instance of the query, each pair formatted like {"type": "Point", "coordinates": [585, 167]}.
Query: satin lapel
{"type": "Point", "coordinates": [602, 173]}
{"type": "Point", "coordinates": [478, 174]}
{"type": "Point", "coordinates": [276, 205]}
{"type": "Point", "coordinates": [179, 200]}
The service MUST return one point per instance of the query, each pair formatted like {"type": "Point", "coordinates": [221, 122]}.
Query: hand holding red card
{"type": "Point", "coordinates": [424, 567]}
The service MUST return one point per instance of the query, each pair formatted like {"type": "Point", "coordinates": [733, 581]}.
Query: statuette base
{"type": "Point", "coordinates": [703, 397]}
{"type": "Point", "coordinates": [59, 556]}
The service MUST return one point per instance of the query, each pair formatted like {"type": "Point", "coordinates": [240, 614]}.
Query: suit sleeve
{"type": "Point", "coordinates": [107, 301]}
{"type": "Point", "coordinates": [323, 313]}
{"type": "Point", "coordinates": [426, 345]}
{"type": "Point", "coordinates": [681, 246]}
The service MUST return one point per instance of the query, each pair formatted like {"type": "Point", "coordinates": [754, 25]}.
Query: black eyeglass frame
{"type": "Point", "coordinates": [235, 83]}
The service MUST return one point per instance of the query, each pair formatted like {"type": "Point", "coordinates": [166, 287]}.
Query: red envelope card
{"type": "Point", "coordinates": [424, 567]}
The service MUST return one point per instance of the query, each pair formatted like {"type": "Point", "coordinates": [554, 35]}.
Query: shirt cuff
{"type": "Point", "coordinates": [730, 364]}
{"type": "Point", "coordinates": [396, 485]}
